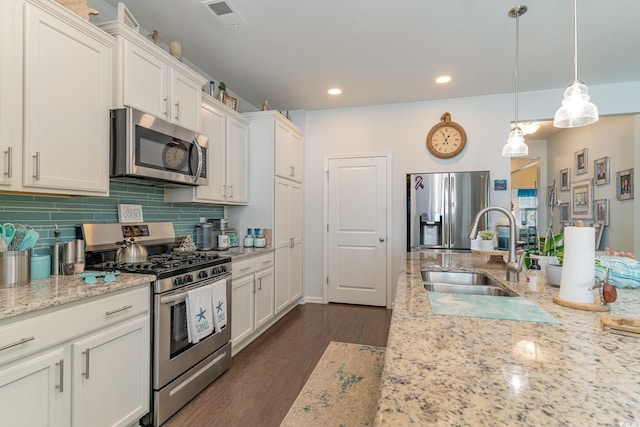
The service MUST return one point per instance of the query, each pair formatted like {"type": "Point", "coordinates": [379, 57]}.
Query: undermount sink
{"type": "Point", "coordinates": [464, 282]}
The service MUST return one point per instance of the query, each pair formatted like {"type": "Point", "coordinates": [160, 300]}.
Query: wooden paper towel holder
{"type": "Point", "coordinates": [581, 305]}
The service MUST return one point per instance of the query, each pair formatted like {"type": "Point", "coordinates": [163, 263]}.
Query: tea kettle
{"type": "Point", "coordinates": [131, 252]}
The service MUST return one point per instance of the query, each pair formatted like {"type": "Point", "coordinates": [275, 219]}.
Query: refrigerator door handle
{"type": "Point", "coordinates": [452, 210]}
{"type": "Point", "coordinates": [446, 220]}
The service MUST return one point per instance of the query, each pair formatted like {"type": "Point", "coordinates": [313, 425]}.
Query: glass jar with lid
{"type": "Point", "coordinates": [259, 240]}
{"type": "Point", "coordinates": [248, 240]}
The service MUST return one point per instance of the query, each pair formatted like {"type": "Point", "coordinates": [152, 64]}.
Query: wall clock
{"type": "Point", "coordinates": [446, 139]}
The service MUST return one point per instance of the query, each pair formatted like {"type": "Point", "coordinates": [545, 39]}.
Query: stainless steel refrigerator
{"type": "Point", "coordinates": [442, 206]}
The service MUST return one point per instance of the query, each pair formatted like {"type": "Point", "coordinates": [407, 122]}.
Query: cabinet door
{"type": "Point", "coordinates": [295, 156]}
{"type": "Point", "coordinates": [35, 391]}
{"type": "Point", "coordinates": [145, 81]}
{"type": "Point", "coordinates": [281, 243]}
{"type": "Point", "coordinates": [237, 161]}
{"type": "Point", "coordinates": [242, 301]}
{"type": "Point", "coordinates": [282, 136]}
{"type": "Point", "coordinates": [67, 97]}
{"type": "Point", "coordinates": [213, 126]}
{"type": "Point", "coordinates": [295, 248]}
{"type": "Point", "coordinates": [111, 375]}
{"type": "Point", "coordinates": [264, 284]}
{"type": "Point", "coordinates": [186, 99]}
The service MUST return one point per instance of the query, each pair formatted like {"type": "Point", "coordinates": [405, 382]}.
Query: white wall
{"type": "Point", "coordinates": [401, 129]}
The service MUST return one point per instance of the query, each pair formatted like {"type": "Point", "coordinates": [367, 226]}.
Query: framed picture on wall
{"type": "Point", "coordinates": [565, 179]}
{"type": "Point", "coordinates": [601, 169]}
{"type": "Point", "coordinates": [602, 210]}
{"type": "Point", "coordinates": [599, 229]}
{"type": "Point", "coordinates": [581, 162]}
{"type": "Point", "coordinates": [551, 195]}
{"type": "Point", "coordinates": [582, 199]}
{"type": "Point", "coordinates": [624, 184]}
{"type": "Point", "coordinates": [564, 212]}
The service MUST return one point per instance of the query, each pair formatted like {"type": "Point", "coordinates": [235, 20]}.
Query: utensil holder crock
{"type": "Point", "coordinates": [15, 268]}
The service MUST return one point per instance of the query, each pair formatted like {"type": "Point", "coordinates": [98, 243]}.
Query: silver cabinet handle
{"type": "Point", "coordinates": [381, 239]}
{"type": "Point", "coordinates": [166, 106]}
{"type": "Point", "coordinates": [231, 191]}
{"type": "Point", "coordinates": [177, 104]}
{"type": "Point", "coordinates": [86, 364]}
{"type": "Point", "coordinates": [21, 341]}
{"type": "Point", "coordinates": [123, 308]}
{"type": "Point", "coordinates": [292, 171]}
{"type": "Point", "coordinates": [266, 262]}
{"type": "Point", "coordinates": [259, 283]}
{"type": "Point", "coordinates": [9, 154]}
{"type": "Point", "coordinates": [37, 159]}
{"type": "Point", "coordinates": [245, 268]}
{"type": "Point", "coordinates": [60, 386]}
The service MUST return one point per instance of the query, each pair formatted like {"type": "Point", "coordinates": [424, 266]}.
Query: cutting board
{"type": "Point", "coordinates": [490, 307]}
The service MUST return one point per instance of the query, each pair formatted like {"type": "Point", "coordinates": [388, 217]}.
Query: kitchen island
{"type": "Point", "coordinates": [448, 370]}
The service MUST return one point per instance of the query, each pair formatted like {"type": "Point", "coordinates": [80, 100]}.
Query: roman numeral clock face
{"type": "Point", "coordinates": [446, 139]}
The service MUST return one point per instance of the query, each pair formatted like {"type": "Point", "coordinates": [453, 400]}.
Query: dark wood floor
{"type": "Point", "coordinates": [266, 377]}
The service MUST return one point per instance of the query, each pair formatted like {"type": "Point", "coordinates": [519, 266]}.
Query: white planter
{"type": "Point", "coordinates": [553, 274]}
{"type": "Point", "coordinates": [486, 245]}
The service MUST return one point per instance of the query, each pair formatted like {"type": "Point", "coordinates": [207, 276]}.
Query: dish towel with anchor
{"type": "Point", "coordinates": [199, 313]}
{"type": "Point", "coordinates": [220, 304]}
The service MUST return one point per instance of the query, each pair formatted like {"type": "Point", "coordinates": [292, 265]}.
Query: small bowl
{"type": "Point", "coordinates": [516, 376]}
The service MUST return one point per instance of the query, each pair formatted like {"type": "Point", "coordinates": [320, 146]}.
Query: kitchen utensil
{"type": "Point", "coordinates": [29, 241]}
{"type": "Point", "coordinates": [91, 277]}
{"type": "Point", "coordinates": [15, 268]}
{"type": "Point", "coordinates": [20, 232]}
{"type": "Point", "coordinates": [131, 252]}
{"type": "Point", "coordinates": [7, 232]}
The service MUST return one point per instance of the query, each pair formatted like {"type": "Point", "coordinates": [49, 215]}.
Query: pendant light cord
{"type": "Point", "coordinates": [517, 62]}
{"type": "Point", "coordinates": [575, 40]}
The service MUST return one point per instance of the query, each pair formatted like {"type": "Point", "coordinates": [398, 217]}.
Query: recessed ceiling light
{"type": "Point", "coordinates": [334, 91]}
{"type": "Point", "coordinates": [443, 79]}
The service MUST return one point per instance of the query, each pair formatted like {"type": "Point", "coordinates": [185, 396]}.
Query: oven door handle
{"type": "Point", "coordinates": [173, 298]}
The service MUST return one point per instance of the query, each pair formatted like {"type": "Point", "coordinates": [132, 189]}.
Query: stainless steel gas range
{"type": "Point", "coordinates": [180, 370]}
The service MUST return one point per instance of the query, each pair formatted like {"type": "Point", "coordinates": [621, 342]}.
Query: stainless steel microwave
{"type": "Point", "coordinates": [148, 148]}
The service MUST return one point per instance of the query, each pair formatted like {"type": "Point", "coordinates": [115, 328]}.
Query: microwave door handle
{"type": "Point", "coordinates": [200, 162]}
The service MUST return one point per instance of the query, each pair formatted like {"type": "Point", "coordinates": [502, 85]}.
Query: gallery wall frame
{"type": "Point", "coordinates": [624, 184]}
{"type": "Point", "coordinates": [601, 209]}
{"type": "Point", "coordinates": [565, 179]}
{"type": "Point", "coordinates": [582, 199]}
{"type": "Point", "coordinates": [601, 170]}
{"type": "Point", "coordinates": [581, 161]}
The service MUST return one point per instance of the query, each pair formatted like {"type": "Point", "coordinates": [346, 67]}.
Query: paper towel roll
{"type": "Point", "coordinates": [578, 267]}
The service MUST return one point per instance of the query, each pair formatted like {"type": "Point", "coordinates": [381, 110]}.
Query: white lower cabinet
{"type": "Point", "coordinates": [252, 300]}
{"type": "Point", "coordinates": [86, 365]}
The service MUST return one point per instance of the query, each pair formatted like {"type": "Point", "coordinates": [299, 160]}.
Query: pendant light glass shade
{"type": "Point", "coordinates": [577, 109]}
{"type": "Point", "coordinates": [515, 146]}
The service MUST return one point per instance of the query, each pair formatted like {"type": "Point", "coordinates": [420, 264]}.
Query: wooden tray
{"type": "Point", "coordinates": [620, 325]}
{"type": "Point", "coordinates": [581, 305]}
{"type": "Point", "coordinates": [496, 256]}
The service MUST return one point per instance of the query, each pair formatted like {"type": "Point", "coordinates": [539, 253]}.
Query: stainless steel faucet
{"type": "Point", "coordinates": [513, 266]}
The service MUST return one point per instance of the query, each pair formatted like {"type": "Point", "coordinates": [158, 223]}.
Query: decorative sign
{"type": "Point", "coordinates": [129, 213]}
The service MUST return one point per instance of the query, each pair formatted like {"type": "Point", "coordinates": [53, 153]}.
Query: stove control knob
{"type": "Point", "coordinates": [203, 274]}
{"type": "Point", "coordinates": [178, 281]}
{"type": "Point", "coordinates": [188, 278]}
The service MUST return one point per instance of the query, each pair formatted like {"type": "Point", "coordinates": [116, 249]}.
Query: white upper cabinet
{"type": "Point", "coordinates": [227, 159]}
{"type": "Point", "coordinates": [151, 80]}
{"type": "Point", "coordinates": [56, 86]}
{"type": "Point", "coordinates": [288, 151]}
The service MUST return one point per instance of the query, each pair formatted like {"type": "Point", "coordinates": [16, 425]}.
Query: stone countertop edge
{"type": "Point", "coordinates": [55, 291]}
{"type": "Point", "coordinates": [239, 253]}
{"type": "Point", "coordinates": [448, 370]}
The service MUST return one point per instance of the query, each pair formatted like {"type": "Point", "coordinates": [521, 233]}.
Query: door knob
{"type": "Point", "coordinates": [381, 239]}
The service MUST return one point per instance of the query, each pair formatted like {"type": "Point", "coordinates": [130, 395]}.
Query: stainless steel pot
{"type": "Point", "coordinates": [131, 252]}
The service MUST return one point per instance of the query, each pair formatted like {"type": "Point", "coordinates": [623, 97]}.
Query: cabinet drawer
{"type": "Point", "coordinates": [37, 332]}
{"type": "Point", "coordinates": [251, 265]}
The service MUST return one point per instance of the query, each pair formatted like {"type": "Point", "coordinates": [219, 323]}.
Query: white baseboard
{"type": "Point", "coordinates": [313, 300]}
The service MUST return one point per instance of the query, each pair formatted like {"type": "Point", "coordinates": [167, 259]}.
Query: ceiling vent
{"type": "Point", "coordinates": [224, 12]}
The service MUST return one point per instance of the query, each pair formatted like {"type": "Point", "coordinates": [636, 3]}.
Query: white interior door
{"type": "Point", "coordinates": [357, 231]}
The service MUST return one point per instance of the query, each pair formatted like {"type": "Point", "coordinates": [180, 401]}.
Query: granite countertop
{"type": "Point", "coordinates": [54, 291]}
{"type": "Point", "coordinates": [239, 252]}
{"type": "Point", "coordinates": [448, 370]}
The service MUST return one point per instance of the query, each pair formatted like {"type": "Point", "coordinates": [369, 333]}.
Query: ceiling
{"type": "Point", "coordinates": [291, 52]}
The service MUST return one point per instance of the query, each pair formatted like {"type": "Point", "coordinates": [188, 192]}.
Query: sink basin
{"type": "Point", "coordinates": [463, 282]}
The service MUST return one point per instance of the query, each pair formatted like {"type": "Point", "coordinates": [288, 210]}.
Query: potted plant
{"type": "Point", "coordinates": [549, 257]}
{"type": "Point", "coordinates": [486, 240]}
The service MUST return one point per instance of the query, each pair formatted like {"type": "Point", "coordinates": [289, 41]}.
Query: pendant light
{"type": "Point", "coordinates": [576, 109]}
{"type": "Point", "coordinates": [515, 146]}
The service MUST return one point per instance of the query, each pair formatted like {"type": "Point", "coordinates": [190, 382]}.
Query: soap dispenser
{"type": "Point", "coordinates": [535, 277]}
